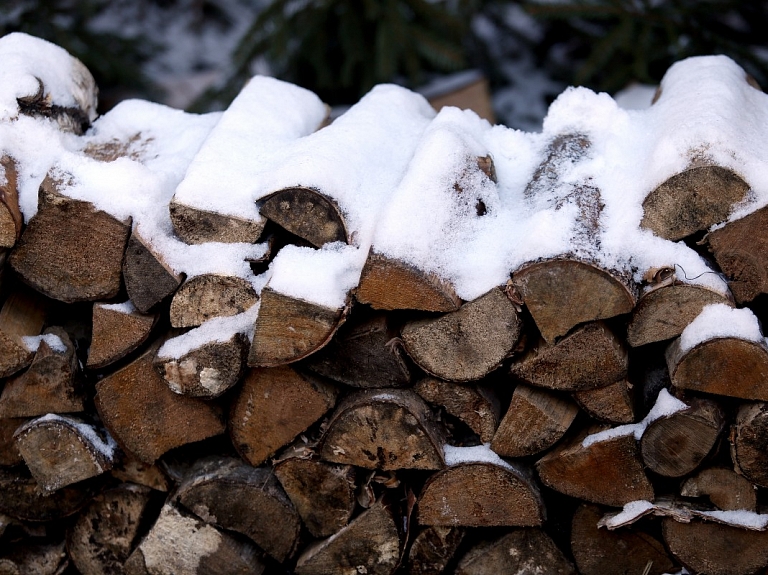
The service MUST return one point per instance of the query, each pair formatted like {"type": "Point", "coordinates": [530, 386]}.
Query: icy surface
{"type": "Point", "coordinates": [720, 320]}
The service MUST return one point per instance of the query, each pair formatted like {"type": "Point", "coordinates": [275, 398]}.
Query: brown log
{"type": "Point", "coordinates": [432, 549]}
{"type": "Point", "coordinates": [389, 284]}
{"type": "Point", "coordinates": [477, 406]}
{"type": "Point", "coordinates": [11, 219]}
{"type": "Point", "coordinates": [128, 469]}
{"type": "Point", "coordinates": [384, 429]}
{"type": "Point", "coordinates": [591, 356]}
{"type": "Point", "coordinates": [308, 214]}
{"type": "Point", "coordinates": [233, 495]}
{"type": "Point", "coordinates": [621, 552]}
{"type": "Point", "coordinates": [608, 472]}
{"type": "Point", "coordinates": [476, 494]}
{"type": "Point", "coordinates": [197, 226]}
{"type": "Point", "coordinates": [749, 442]}
{"type": "Point", "coordinates": [167, 420]}
{"type": "Point", "coordinates": [369, 544]}
{"type": "Point", "coordinates": [69, 250]}
{"type": "Point", "coordinates": [563, 293]}
{"type": "Point", "coordinates": [148, 278]}
{"type": "Point", "coordinates": [21, 497]}
{"type": "Point", "coordinates": [535, 421]}
{"type": "Point", "coordinates": [726, 489]}
{"type": "Point", "coordinates": [210, 295]}
{"type": "Point", "coordinates": [117, 331]}
{"type": "Point", "coordinates": [273, 406]}
{"type": "Point", "coordinates": [9, 453]}
{"type": "Point", "coordinates": [22, 315]}
{"type": "Point", "coordinates": [676, 444]}
{"type": "Point", "coordinates": [612, 403]}
{"type": "Point", "coordinates": [527, 550]}
{"type": "Point", "coordinates": [28, 558]}
{"type": "Point", "coordinates": [289, 329]}
{"type": "Point", "coordinates": [693, 200]}
{"type": "Point", "coordinates": [62, 450]}
{"type": "Point", "coordinates": [467, 344]}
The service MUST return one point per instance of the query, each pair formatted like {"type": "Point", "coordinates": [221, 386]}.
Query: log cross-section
{"type": "Point", "coordinates": [308, 214]}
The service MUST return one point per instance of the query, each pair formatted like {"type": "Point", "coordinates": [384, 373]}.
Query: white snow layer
{"type": "Point", "coordinates": [32, 342]}
{"type": "Point", "coordinates": [477, 454]}
{"type": "Point", "coordinates": [720, 320]}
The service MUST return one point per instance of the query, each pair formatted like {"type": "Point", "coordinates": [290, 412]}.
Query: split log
{"type": "Point", "coordinates": [198, 226]}
{"type": "Point", "coordinates": [11, 219]}
{"type": "Point", "coordinates": [273, 406]}
{"type": "Point", "coordinates": [749, 442]}
{"type": "Point", "coordinates": [591, 356]}
{"type": "Point", "coordinates": [477, 406]}
{"type": "Point", "coordinates": [466, 344]}
{"type": "Point", "coordinates": [526, 550]}
{"type": "Point", "coordinates": [561, 294]}
{"type": "Point", "coordinates": [233, 495]}
{"type": "Point", "coordinates": [23, 315]}
{"type": "Point", "coordinates": [621, 552]}
{"type": "Point", "coordinates": [535, 421]}
{"type": "Point", "coordinates": [607, 472]}
{"type": "Point", "coordinates": [128, 469]}
{"type": "Point", "coordinates": [102, 538]}
{"type": "Point", "coordinates": [676, 444]}
{"type": "Point", "coordinates": [60, 451]}
{"type": "Point", "coordinates": [612, 403]}
{"type": "Point", "coordinates": [724, 487]}
{"type": "Point", "coordinates": [390, 284]}
{"type": "Point", "coordinates": [70, 251]}
{"type": "Point", "coordinates": [308, 214]}
{"type": "Point", "coordinates": [384, 429]}
{"type": "Point", "coordinates": [27, 558]}
{"type": "Point", "coordinates": [476, 494]}
{"type": "Point", "coordinates": [433, 548]}
{"type": "Point", "coordinates": [168, 420]}
{"type": "Point", "coordinates": [148, 278]}
{"type": "Point", "coordinates": [369, 544]}
{"type": "Point", "coordinates": [323, 493]}
{"type": "Point", "coordinates": [21, 497]}
{"type": "Point", "coordinates": [9, 453]}
{"type": "Point", "coordinates": [210, 295]}
{"type": "Point", "coordinates": [693, 200]}
{"type": "Point", "coordinates": [117, 331]}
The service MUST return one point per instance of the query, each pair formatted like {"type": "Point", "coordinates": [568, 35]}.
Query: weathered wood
{"type": "Point", "coordinates": [148, 278]}
{"type": "Point", "coordinates": [726, 489]}
{"type": "Point", "coordinates": [128, 469]}
{"type": "Point", "coordinates": [749, 442]}
{"type": "Point", "coordinates": [289, 329]}
{"type": "Point", "coordinates": [306, 213]}
{"type": "Point", "coordinates": [233, 495]}
{"type": "Point", "coordinates": [535, 421]}
{"type": "Point", "coordinates": [22, 315]}
{"type": "Point", "coordinates": [167, 420]}
{"type": "Point", "coordinates": [69, 250]}
{"type": "Point", "coordinates": [562, 293]}
{"type": "Point", "coordinates": [612, 403]}
{"type": "Point", "coordinates": [477, 406]}
{"type": "Point", "coordinates": [197, 226]}
{"type": "Point", "coordinates": [591, 356]}
{"type": "Point", "coordinates": [466, 344]}
{"type": "Point", "coordinates": [11, 219]}
{"type": "Point", "coordinates": [369, 544]}
{"type": "Point", "coordinates": [389, 284]}
{"type": "Point", "coordinates": [9, 453]}
{"type": "Point", "coordinates": [676, 444]}
{"type": "Point", "coordinates": [29, 558]}
{"type": "Point", "coordinates": [475, 494]}
{"type": "Point", "coordinates": [432, 549]}
{"type": "Point", "coordinates": [384, 429]}
{"type": "Point", "coordinates": [527, 550]}
{"type": "Point", "coordinates": [116, 332]}
{"type": "Point", "coordinates": [693, 200]}
{"type": "Point", "coordinates": [210, 295]}
{"type": "Point", "coordinates": [272, 407]}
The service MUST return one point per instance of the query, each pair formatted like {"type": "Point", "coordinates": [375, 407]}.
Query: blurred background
{"type": "Point", "coordinates": [196, 54]}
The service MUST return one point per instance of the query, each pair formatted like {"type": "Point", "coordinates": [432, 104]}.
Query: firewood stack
{"type": "Point", "coordinates": [259, 341]}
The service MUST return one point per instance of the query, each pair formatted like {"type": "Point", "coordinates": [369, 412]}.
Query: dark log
{"type": "Point", "coordinates": [9, 453]}
{"type": "Point", "coordinates": [432, 549]}
{"type": "Point", "coordinates": [21, 497]}
{"type": "Point", "coordinates": [197, 226]}
{"type": "Point", "coordinates": [11, 219]}
{"type": "Point", "coordinates": [23, 315]}
{"type": "Point", "coordinates": [148, 278]}
{"type": "Point", "coordinates": [28, 558]}
{"type": "Point", "coordinates": [724, 487]}
{"type": "Point", "coordinates": [612, 403]}
{"type": "Point", "coordinates": [117, 331]}
{"type": "Point", "coordinates": [749, 442]}
{"type": "Point", "coordinates": [207, 296]}
{"type": "Point", "coordinates": [130, 470]}
{"type": "Point", "coordinates": [306, 213]}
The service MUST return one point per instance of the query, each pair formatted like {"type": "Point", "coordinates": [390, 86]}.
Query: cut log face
{"type": "Point", "coordinates": [168, 420]}
{"type": "Point", "coordinates": [588, 358]}
{"type": "Point", "coordinates": [749, 443]}
{"type": "Point", "coordinates": [722, 366]}
{"type": "Point", "coordinates": [390, 284]}
{"type": "Point", "coordinates": [676, 444]}
{"type": "Point", "coordinates": [9, 453]}
{"type": "Point", "coordinates": [22, 315]}
{"type": "Point", "coordinates": [527, 550]}
{"type": "Point", "coordinates": [432, 549]}
{"type": "Point", "coordinates": [369, 544]}
{"type": "Point", "coordinates": [207, 296]}
{"type": "Point", "coordinates": [726, 489]}
{"type": "Point", "coordinates": [561, 294]}
{"type": "Point", "coordinates": [323, 493]}
{"type": "Point", "coordinates": [197, 226]}
{"type": "Point", "coordinates": [274, 406]}
{"type": "Point", "coordinates": [21, 497]}
{"type": "Point", "coordinates": [308, 214]}
{"type": "Point", "coordinates": [664, 312]}
{"type": "Point", "coordinates": [148, 279]}
{"type": "Point", "coordinates": [467, 344]}
{"type": "Point", "coordinates": [11, 220]}
{"type": "Point", "coordinates": [480, 495]}
{"type": "Point", "coordinates": [289, 329]}
{"type": "Point", "coordinates": [621, 552]}
{"type": "Point", "coordinates": [34, 558]}
{"type": "Point", "coordinates": [612, 403]}
{"type": "Point", "coordinates": [388, 430]}
{"type": "Point", "coordinates": [535, 421]}
{"type": "Point", "coordinates": [693, 200]}
{"type": "Point", "coordinates": [128, 469]}
{"type": "Point", "coordinates": [608, 472]}
{"type": "Point", "coordinates": [116, 333]}
{"type": "Point", "coordinates": [249, 500]}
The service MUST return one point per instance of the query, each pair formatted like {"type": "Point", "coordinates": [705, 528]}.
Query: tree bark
{"type": "Point", "coordinates": [207, 296]}
{"type": "Point", "coordinates": [23, 314]}
{"type": "Point", "coordinates": [116, 333]}
{"type": "Point", "coordinates": [11, 219]}
{"type": "Point", "coordinates": [308, 214]}
{"type": "Point", "coordinates": [9, 453]}
{"type": "Point", "coordinates": [148, 278]}
{"type": "Point", "coordinates": [197, 226]}
{"type": "Point", "coordinates": [749, 442]}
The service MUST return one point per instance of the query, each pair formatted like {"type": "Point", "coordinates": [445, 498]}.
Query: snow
{"type": "Point", "coordinates": [720, 321]}
{"type": "Point", "coordinates": [635, 97]}
{"type": "Point", "coordinates": [125, 307]}
{"type": "Point", "coordinates": [740, 518]}
{"type": "Point", "coordinates": [104, 443]}
{"type": "Point", "coordinates": [476, 454]}
{"type": "Point", "coordinates": [635, 510]}
{"type": "Point", "coordinates": [32, 342]}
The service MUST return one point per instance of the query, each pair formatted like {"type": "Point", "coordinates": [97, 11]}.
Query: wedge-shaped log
{"type": "Point", "coordinates": [475, 494]}
{"type": "Point", "coordinates": [148, 278]}
{"type": "Point", "coordinates": [308, 214]}
{"type": "Point", "coordinates": [466, 344]}
{"type": "Point", "coordinates": [433, 548]}
{"type": "Point", "coordinates": [210, 295]}
{"type": "Point", "coordinates": [168, 420]}
{"type": "Point", "coordinates": [117, 331]}
{"type": "Point", "coordinates": [612, 403]}
{"type": "Point", "coordinates": [749, 442]}
{"type": "Point", "coordinates": [37, 558]}
{"type": "Point", "coordinates": [11, 220]}
{"type": "Point", "coordinates": [197, 226]}
{"type": "Point", "coordinates": [726, 489]}
{"type": "Point", "coordinates": [535, 421]}
{"type": "Point", "coordinates": [369, 544]}
{"type": "Point", "coordinates": [272, 407]}
{"type": "Point", "coordinates": [9, 453]}
{"type": "Point", "coordinates": [591, 356]}
{"type": "Point", "coordinates": [22, 498]}
{"type": "Point", "coordinates": [128, 469]}
{"type": "Point", "coordinates": [561, 294]}
{"type": "Point", "coordinates": [22, 315]}
{"type": "Point", "coordinates": [384, 429]}
{"type": "Point", "coordinates": [693, 200]}
{"type": "Point", "coordinates": [233, 495]}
